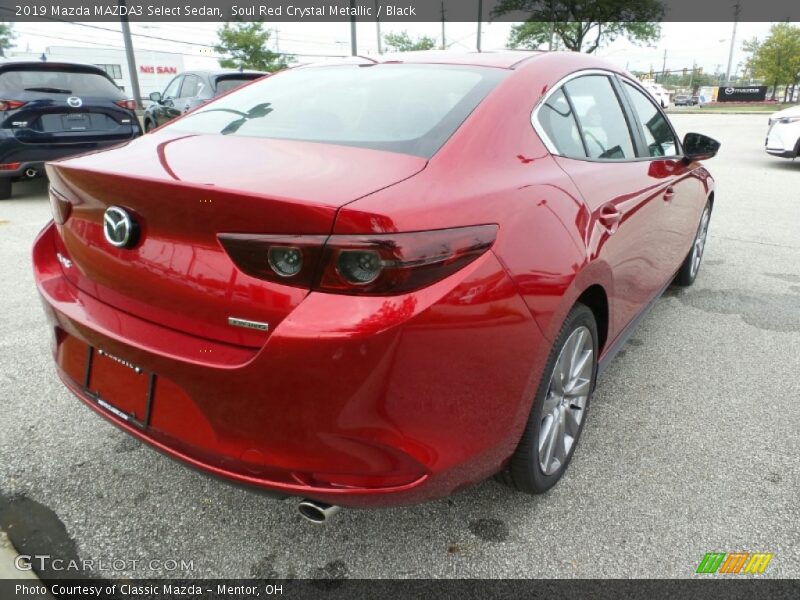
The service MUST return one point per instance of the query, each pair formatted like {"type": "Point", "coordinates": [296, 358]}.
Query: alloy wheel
{"type": "Point", "coordinates": [700, 242]}
{"type": "Point", "coordinates": [566, 400]}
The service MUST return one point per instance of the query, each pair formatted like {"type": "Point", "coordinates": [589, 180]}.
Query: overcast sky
{"type": "Point", "coordinates": [705, 43]}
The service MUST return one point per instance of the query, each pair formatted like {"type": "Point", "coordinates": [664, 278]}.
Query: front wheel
{"type": "Point", "coordinates": [559, 408]}
{"type": "Point", "coordinates": [691, 265]}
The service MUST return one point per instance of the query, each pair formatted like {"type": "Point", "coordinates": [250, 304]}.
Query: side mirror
{"type": "Point", "coordinates": [697, 146]}
{"type": "Point", "coordinates": [155, 97]}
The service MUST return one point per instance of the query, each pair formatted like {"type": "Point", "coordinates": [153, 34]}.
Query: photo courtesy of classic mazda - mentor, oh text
{"type": "Point", "coordinates": [373, 282]}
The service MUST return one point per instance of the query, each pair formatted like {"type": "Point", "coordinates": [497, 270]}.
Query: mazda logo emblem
{"type": "Point", "coordinates": [729, 90]}
{"type": "Point", "coordinates": [74, 102]}
{"type": "Point", "coordinates": [119, 228]}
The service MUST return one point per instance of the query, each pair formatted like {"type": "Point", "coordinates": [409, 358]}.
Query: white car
{"type": "Point", "coordinates": [659, 93]}
{"type": "Point", "coordinates": [783, 137]}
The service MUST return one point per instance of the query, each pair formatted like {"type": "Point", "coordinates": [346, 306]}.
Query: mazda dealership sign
{"type": "Point", "coordinates": [753, 93]}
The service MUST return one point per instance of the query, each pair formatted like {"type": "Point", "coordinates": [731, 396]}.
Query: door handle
{"type": "Point", "coordinates": [669, 193]}
{"type": "Point", "coordinates": [610, 217]}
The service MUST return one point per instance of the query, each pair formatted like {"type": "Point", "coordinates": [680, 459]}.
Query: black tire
{"type": "Point", "coordinates": [524, 472]}
{"type": "Point", "coordinates": [148, 126]}
{"type": "Point", "coordinates": [691, 264]}
{"type": "Point", "coordinates": [5, 188]}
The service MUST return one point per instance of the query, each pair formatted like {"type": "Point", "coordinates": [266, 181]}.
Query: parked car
{"type": "Point", "coordinates": [191, 89]}
{"type": "Point", "coordinates": [374, 284]}
{"type": "Point", "coordinates": [686, 100]}
{"type": "Point", "coordinates": [51, 110]}
{"type": "Point", "coordinates": [659, 93]}
{"type": "Point", "coordinates": [783, 135]}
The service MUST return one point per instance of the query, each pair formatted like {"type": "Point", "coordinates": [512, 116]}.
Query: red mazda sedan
{"type": "Point", "coordinates": [377, 282]}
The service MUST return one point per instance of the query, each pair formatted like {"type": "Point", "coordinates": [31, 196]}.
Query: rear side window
{"type": "Point", "coordinates": [558, 121]}
{"type": "Point", "coordinates": [191, 86]}
{"type": "Point", "coordinates": [600, 117]}
{"type": "Point", "coordinates": [58, 81]}
{"type": "Point", "coordinates": [230, 83]}
{"type": "Point", "coordinates": [657, 133]}
{"type": "Point", "coordinates": [411, 109]}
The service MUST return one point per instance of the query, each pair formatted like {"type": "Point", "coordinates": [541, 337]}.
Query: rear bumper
{"type": "Point", "coordinates": [352, 401]}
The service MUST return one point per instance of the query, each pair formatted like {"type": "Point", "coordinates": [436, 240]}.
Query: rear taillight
{"type": "Point", "coordinates": [10, 104]}
{"type": "Point", "coordinates": [371, 264]}
{"type": "Point", "coordinates": [129, 104]}
{"type": "Point", "coordinates": [10, 166]}
{"type": "Point", "coordinates": [60, 206]}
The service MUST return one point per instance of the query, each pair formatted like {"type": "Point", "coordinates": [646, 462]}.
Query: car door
{"type": "Point", "coordinates": [599, 153]}
{"type": "Point", "coordinates": [166, 109]}
{"type": "Point", "coordinates": [190, 90]}
{"type": "Point", "coordinates": [684, 196]}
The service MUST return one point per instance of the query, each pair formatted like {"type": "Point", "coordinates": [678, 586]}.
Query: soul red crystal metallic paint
{"type": "Point", "coordinates": [357, 400]}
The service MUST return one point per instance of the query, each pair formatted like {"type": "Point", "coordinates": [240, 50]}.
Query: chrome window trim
{"type": "Point", "coordinates": [551, 147]}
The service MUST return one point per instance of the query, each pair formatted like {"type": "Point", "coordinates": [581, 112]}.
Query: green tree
{"type": "Point", "coordinates": [582, 25]}
{"type": "Point", "coordinates": [7, 36]}
{"type": "Point", "coordinates": [402, 42]}
{"type": "Point", "coordinates": [244, 46]}
{"type": "Point", "coordinates": [777, 58]}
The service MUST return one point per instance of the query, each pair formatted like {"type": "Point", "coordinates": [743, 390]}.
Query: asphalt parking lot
{"type": "Point", "coordinates": [692, 444]}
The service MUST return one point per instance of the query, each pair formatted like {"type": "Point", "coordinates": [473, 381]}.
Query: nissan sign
{"type": "Point", "coordinates": [753, 93]}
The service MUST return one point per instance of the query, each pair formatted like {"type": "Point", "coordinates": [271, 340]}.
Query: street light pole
{"type": "Point", "coordinates": [736, 9]}
{"type": "Point", "coordinates": [480, 18]}
{"type": "Point", "coordinates": [129, 57]}
{"type": "Point", "coordinates": [353, 43]}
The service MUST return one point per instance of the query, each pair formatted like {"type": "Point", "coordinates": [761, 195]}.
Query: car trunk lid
{"type": "Point", "coordinates": [185, 190]}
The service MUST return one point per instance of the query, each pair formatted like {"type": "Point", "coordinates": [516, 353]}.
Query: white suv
{"type": "Point", "coordinates": [783, 137]}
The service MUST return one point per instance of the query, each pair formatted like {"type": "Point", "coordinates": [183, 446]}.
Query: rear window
{"type": "Point", "coordinates": [229, 83]}
{"type": "Point", "coordinates": [411, 109]}
{"type": "Point", "coordinates": [58, 81]}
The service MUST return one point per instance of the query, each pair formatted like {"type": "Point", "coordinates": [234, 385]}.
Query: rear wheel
{"type": "Point", "coordinates": [691, 265]}
{"type": "Point", "coordinates": [148, 126]}
{"type": "Point", "coordinates": [559, 409]}
{"type": "Point", "coordinates": [5, 188]}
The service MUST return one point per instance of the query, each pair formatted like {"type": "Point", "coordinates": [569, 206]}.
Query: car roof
{"type": "Point", "coordinates": [47, 65]}
{"type": "Point", "coordinates": [503, 59]}
{"type": "Point", "coordinates": [218, 72]}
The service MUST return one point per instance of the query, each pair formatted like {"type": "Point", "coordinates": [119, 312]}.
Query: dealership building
{"type": "Point", "coordinates": [155, 69]}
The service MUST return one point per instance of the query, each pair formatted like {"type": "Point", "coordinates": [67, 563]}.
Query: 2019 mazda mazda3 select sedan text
{"type": "Point", "coordinates": [373, 283]}
{"type": "Point", "coordinates": [53, 110]}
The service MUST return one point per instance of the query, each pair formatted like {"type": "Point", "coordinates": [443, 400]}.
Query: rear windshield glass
{"type": "Point", "coordinates": [58, 81]}
{"type": "Point", "coordinates": [412, 109]}
{"type": "Point", "coordinates": [229, 83]}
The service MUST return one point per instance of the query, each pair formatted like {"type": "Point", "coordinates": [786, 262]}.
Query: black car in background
{"type": "Point", "coordinates": [52, 110]}
{"type": "Point", "coordinates": [191, 89]}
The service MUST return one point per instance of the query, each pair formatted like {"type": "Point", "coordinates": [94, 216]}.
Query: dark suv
{"type": "Point", "coordinates": [191, 89]}
{"type": "Point", "coordinates": [52, 110]}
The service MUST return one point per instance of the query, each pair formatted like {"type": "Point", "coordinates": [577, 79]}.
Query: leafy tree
{"type": "Point", "coordinates": [402, 42]}
{"type": "Point", "coordinates": [245, 47]}
{"type": "Point", "coordinates": [7, 36]}
{"type": "Point", "coordinates": [777, 58]}
{"type": "Point", "coordinates": [582, 25]}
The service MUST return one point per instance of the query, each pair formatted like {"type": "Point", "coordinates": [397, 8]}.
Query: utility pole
{"type": "Point", "coordinates": [480, 18]}
{"type": "Point", "coordinates": [691, 77]}
{"type": "Point", "coordinates": [664, 67]}
{"type": "Point", "coordinates": [353, 42]}
{"type": "Point", "coordinates": [444, 43]}
{"type": "Point", "coordinates": [277, 40]}
{"type": "Point", "coordinates": [552, 27]}
{"type": "Point", "coordinates": [129, 57]}
{"type": "Point", "coordinates": [736, 10]}
{"type": "Point", "coordinates": [378, 29]}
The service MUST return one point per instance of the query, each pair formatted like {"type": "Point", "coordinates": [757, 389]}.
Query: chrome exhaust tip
{"type": "Point", "coordinates": [317, 512]}
{"type": "Point", "coordinates": [30, 173]}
